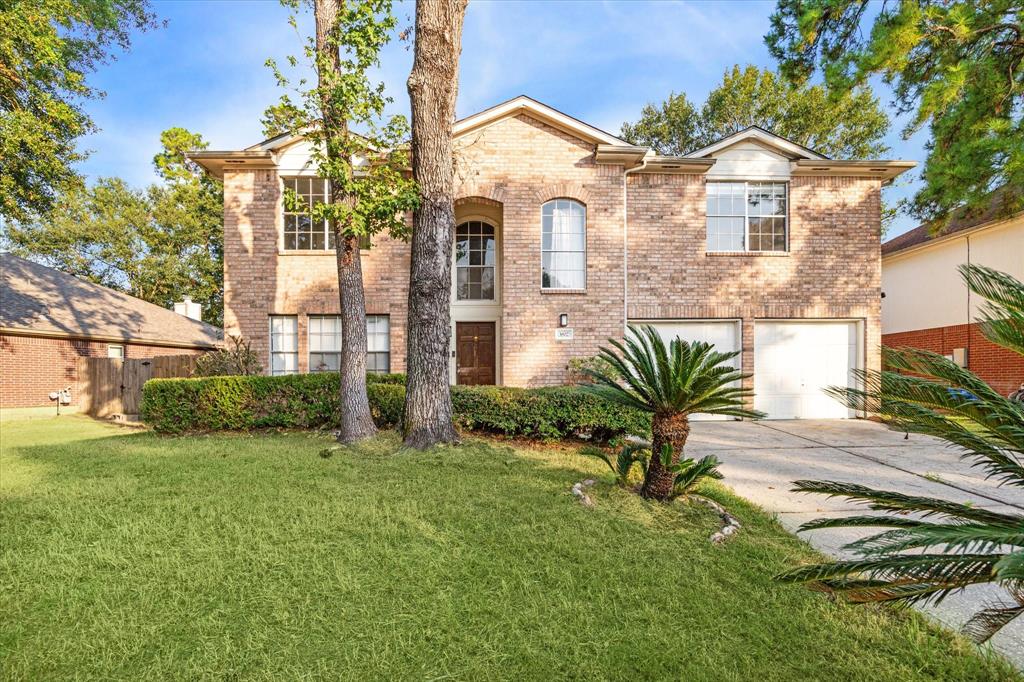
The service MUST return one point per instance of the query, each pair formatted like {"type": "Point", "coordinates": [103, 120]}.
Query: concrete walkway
{"type": "Point", "coordinates": [762, 459]}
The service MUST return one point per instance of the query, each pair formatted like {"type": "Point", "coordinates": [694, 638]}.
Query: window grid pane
{"type": "Point", "coordinates": [746, 216]}
{"type": "Point", "coordinates": [284, 344]}
{"type": "Point", "coordinates": [563, 245]}
{"type": "Point", "coordinates": [300, 231]}
{"type": "Point", "coordinates": [475, 256]}
{"type": "Point", "coordinates": [324, 343]}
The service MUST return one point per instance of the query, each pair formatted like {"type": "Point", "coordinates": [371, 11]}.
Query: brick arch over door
{"type": "Point", "coordinates": [493, 195]}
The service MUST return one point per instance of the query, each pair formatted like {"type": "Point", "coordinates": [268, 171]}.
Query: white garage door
{"type": "Point", "coordinates": [794, 361]}
{"type": "Point", "coordinates": [725, 335]}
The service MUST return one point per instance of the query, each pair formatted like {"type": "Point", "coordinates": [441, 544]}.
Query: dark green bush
{"type": "Point", "coordinates": [310, 401]}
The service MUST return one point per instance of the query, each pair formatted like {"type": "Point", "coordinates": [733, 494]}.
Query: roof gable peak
{"type": "Point", "coordinates": [762, 136]}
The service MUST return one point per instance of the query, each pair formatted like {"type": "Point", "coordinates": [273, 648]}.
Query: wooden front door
{"type": "Point", "coordinates": [474, 353]}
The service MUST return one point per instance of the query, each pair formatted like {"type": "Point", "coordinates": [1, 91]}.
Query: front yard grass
{"type": "Point", "coordinates": [129, 555]}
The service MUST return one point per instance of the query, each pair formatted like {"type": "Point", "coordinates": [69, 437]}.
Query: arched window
{"type": "Point", "coordinates": [564, 245]}
{"type": "Point", "coordinates": [475, 254]}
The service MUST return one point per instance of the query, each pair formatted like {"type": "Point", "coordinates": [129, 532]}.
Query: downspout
{"type": "Point", "coordinates": [625, 243]}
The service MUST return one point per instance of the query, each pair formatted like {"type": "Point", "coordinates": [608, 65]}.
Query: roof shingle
{"type": "Point", "coordinates": [36, 298]}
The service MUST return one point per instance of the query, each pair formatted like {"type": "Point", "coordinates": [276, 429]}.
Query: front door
{"type": "Point", "coordinates": [474, 353]}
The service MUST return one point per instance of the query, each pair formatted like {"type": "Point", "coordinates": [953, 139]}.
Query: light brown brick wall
{"type": "Point", "coordinates": [260, 280]}
{"type": "Point", "coordinates": [33, 366]}
{"type": "Point", "coordinates": [523, 163]}
{"type": "Point", "coordinates": [832, 270]}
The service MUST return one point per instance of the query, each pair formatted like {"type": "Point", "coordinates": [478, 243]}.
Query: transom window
{"type": "Point", "coordinates": [746, 216]}
{"type": "Point", "coordinates": [301, 232]}
{"type": "Point", "coordinates": [475, 253]}
{"type": "Point", "coordinates": [563, 245]}
{"type": "Point", "coordinates": [325, 343]}
{"type": "Point", "coordinates": [284, 344]}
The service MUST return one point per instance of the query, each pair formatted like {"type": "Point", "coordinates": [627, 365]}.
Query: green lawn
{"type": "Point", "coordinates": [128, 555]}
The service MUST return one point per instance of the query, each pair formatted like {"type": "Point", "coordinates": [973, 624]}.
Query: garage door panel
{"type": "Point", "coordinates": [724, 334]}
{"type": "Point", "coordinates": [795, 361]}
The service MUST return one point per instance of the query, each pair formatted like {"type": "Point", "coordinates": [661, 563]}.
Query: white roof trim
{"type": "Point", "coordinates": [541, 111]}
{"type": "Point", "coordinates": [764, 137]}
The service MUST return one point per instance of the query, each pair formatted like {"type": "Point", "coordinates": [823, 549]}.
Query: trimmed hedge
{"type": "Point", "coordinates": [310, 401]}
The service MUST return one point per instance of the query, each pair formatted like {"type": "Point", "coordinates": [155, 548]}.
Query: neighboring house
{"type": "Point", "coordinates": [49, 319]}
{"type": "Point", "coordinates": [927, 305]}
{"type": "Point", "coordinates": [564, 234]}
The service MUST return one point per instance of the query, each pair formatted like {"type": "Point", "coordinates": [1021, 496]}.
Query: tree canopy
{"type": "Point", "coordinates": [47, 49]}
{"type": "Point", "coordinates": [159, 244]}
{"type": "Point", "coordinates": [850, 126]}
{"type": "Point", "coordinates": [954, 65]}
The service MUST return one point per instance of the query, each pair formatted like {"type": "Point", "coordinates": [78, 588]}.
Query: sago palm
{"type": "Point", "coordinates": [671, 383]}
{"type": "Point", "coordinates": [932, 547]}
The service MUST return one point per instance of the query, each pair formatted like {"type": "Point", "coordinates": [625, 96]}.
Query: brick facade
{"type": "Point", "coordinates": [33, 366]}
{"type": "Point", "coordinates": [999, 367]}
{"type": "Point", "coordinates": [832, 270]}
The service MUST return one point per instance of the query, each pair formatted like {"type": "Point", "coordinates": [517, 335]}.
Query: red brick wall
{"type": "Point", "coordinates": [33, 366]}
{"type": "Point", "coordinates": [1002, 369]}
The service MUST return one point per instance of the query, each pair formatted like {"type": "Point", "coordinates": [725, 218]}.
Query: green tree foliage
{"type": "Point", "coordinates": [47, 49]}
{"type": "Point", "coordinates": [955, 64]}
{"type": "Point", "coordinates": [933, 547]}
{"type": "Point", "coordinates": [158, 244]}
{"type": "Point", "coordinates": [670, 383]}
{"type": "Point", "coordinates": [359, 150]}
{"type": "Point", "coordinates": [846, 127]}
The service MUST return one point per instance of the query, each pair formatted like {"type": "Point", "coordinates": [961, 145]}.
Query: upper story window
{"type": "Point", "coordinates": [475, 254]}
{"type": "Point", "coordinates": [563, 245]}
{"type": "Point", "coordinates": [747, 216]}
{"type": "Point", "coordinates": [301, 232]}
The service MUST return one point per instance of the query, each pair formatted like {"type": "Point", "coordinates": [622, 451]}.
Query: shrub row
{"type": "Point", "coordinates": [310, 401]}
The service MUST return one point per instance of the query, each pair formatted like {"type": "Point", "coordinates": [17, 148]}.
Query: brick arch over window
{"type": "Point", "coordinates": [564, 190]}
{"type": "Point", "coordinates": [493, 195]}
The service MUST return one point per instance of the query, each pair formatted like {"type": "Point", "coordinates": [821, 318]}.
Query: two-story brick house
{"type": "Point", "coordinates": [565, 234]}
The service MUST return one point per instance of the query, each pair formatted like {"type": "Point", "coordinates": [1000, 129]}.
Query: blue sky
{"type": "Point", "coordinates": [598, 61]}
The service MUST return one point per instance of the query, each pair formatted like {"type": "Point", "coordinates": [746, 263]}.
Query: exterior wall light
{"type": "Point", "coordinates": [563, 320]}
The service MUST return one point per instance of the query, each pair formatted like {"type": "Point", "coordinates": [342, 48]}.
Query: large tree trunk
{"type": "Point", "coordinates": [356, 420]}
{"type": "Point", "coordinates": [433, 85]}
{"type": "Point", "coordinates": [665, 430]}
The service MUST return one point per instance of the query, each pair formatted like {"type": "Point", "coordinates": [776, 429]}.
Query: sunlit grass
{"type": "Point", "coordinates": [132, 556]}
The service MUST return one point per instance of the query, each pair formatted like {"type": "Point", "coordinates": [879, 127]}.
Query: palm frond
{"type": "Point", "coordinates": [1002, 318]}
{"type": "Point", "coordinates": [987, 622]}
{"type": "Point", "coordinates": [887, 500]}
{"type": "Point", "coordinates": [691, 473]}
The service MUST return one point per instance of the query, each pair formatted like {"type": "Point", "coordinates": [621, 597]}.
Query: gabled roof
{"type": "Point", "coordinates": [765, 137]}
{"type": "Point", "coordinates": [539, 110]}
{"type": "Point", "coordinates": [40, 300]}
{"type": "Point", "coordinates": [1001, 207]}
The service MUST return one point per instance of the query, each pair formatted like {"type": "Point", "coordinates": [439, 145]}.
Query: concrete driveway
{"type": "Point", "coordinates": [762, 459]}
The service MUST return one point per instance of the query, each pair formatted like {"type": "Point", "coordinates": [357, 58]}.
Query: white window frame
{"type": "Point", "coordinates": [364, 241]}
{"type": "Point", "coordinates": [275, 351]}
{"type": "Point", "coordinates": [493, 266]}
{"type": "Point", "coordinates": [746, 216]}
{"type": "Point", "coordinates": [310, 335]}
{"type": "Point", "coordinates": [115, 351]}
{"type": "Point", "coordinates": [377, 343]}
{"type": "Point", "coordinates": [544, 251]}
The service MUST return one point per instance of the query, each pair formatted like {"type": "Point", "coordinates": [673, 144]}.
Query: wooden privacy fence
{"type": "Point", "coordinates": [108, 386]}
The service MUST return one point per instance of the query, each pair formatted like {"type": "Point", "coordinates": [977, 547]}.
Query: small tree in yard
{"type": "Point", "coordinates": [358, 152]}
{"type": "Point", "coordinates": [671, 383]}
{"type": "Point", "coordinates": [951, 545]}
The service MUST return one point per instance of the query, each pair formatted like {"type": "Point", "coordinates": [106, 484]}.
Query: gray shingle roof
{"type": "Point", "coordinates": [36, 298]}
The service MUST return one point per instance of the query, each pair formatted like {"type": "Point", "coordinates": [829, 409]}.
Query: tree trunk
{"type": "Point", "coordinates": [433, 85]}
{"type": "Point", "coordinates": [356, 420]}
{"type": "Point", "coordinates": [672, 429]}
